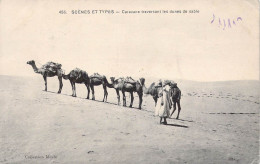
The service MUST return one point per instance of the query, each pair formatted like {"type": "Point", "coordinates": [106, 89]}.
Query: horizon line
{"type": "Point", "coordinates": [163, 78]}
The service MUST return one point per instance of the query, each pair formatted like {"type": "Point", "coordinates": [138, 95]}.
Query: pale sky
{"type": "Point", "coordinates": [174, 46]}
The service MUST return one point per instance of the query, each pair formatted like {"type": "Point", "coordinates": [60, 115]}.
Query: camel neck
{"type": "Point", "coordinates": [145, 90]}
{"type": "Point", "coordinates": [110, 85]}
{"type": "Point", "coordinates": [35, 68]}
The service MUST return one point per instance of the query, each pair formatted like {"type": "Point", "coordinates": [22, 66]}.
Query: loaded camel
{"type": "Point", "coordinates": [127, 85]}
{"type": "Point", "coordinates": [96, 80]}
{"type": "Point", "coordinates": [153, 90]}
{"type": "Point", "coordinates": [77, 76]}
{"type": "Point", "coordinates": [175, 93]}
{"type": "Point", "coordinates": [50, 69]}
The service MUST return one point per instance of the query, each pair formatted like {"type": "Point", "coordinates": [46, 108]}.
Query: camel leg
{"type": "Point", "coordinates": [132, 99]}
{"type": "Point", "coordinates": [165, 122]}
{"type": "Point", "coordinates": [179, 108]}
{"type": "Point", "coordinates": [73, 89]}
{"type": "Point", "coordinates": [155, 99]}
{"type": "Point", "coordinates": [88, 90]}
{"type": "Point", "coordinates": [118, 96]}
{"type": "Point", "coordinates": [93, 92]}
{"type": "Point", "coordinates": [174, 108]}
{"type": "Point", "coordinates": [45, 82]}
{"type": "Point", "coordinates": [160, 120]}
{"type": "Point", "coordinates": [124, 98]}
{"type": "Point", "coordinates": [140, 100]}
{"type": "Point", "coordinates": [75, 95]}
{"type": "Point", "coordinates": [61, 84]}
{"type": "Point", "coordinates": [105, 93]}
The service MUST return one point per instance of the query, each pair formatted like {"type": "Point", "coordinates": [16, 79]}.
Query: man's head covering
{"type": "Point", "coordinates": [173, 84]}
{"type": "Point", "coordinates": [166, 82]}
{"type": "Point", "coordinates": [158, 84]}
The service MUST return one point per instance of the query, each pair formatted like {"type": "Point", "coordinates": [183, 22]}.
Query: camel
{"type": "Point", "coordinates": [153, 90]}
{"type": "Point", "coordinates": [50, 69]}
{"type": "Point", "coordinates": [96, 80]}
{"type": "Point", "coordinates": [117, 84]}
{"type": "Point", "coordinates": [77, 76]}
{"type": "Point", "coordinates": [176, 98]}
{"type": "Point", "coordinates": [127, 85]}
{"type": "Point", "coordinates": [175, 94]}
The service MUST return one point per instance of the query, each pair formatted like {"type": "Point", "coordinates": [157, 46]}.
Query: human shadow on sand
{"type": "Point", "coordinates": [177, 125]}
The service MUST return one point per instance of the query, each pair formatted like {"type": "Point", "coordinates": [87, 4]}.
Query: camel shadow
{"type": "Point", "coordinates": [90, 99]}
{"type": "Point", "coordinates": [232, 113]}
{"type": "Point", "coordinates": [104, 102]}
{"type": "Point", "coordinates": [118, 105]}
{"type": "Point", "coordinates": [148, 111]}
{"type": "Point", "coordinates": [181, 120]}
{"type": "Point", "coordinates": [66, 95]}
{"type": "Point", "coordinates": [57, 93]}
{"type": "Point", "coordinates": [177, 125]}
{"type": "Point", "coordinates": [131, 107]}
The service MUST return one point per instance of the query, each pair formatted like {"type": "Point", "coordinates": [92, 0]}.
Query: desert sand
{"type": "Point", "coordinates": [219, 123]}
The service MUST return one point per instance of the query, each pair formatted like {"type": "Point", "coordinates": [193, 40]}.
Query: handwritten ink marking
{"type": "Point", "coordinates": [219, 21]}
{"type": "Point", "coordinates": [213, 19]}
{"type": "Point", "coordinates": [225, 25]}
{"type": "Point", "coordinates": [229, 24]}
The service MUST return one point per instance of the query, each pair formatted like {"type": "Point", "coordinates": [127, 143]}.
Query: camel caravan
{"type": "Point", "coordinates": [128, 84]}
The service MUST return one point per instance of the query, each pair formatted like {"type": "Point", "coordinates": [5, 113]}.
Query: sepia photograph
{"type": "Point", "coordinates": [123, 82]}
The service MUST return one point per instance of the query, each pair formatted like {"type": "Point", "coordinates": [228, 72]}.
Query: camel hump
{"type": "Point", "coordinates": [120, 78]}
{"type": "Point", "coordinates": [77, 69]}
{"type": "Point", "coordinates": [176, 93]}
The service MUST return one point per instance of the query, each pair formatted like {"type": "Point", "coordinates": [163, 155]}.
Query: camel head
{"type": "Point", "coordinates": [32, 62]}
{"type": "Point", "coordinates": [142, 80]}
{"type": "Point", "coordinates": [112, 79]}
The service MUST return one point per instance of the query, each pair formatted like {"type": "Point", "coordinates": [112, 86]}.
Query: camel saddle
{"type": "Point", "coordinates": [158, 84]}
{"type": "Point", "coordinates": [78, 73]}
{"type": "Point", "coordinates": [52, 67]}
{"type": "Point", "coordinates": [119, 79]}
{"type": "Point", "coordinates": [130, 80]}
{"type": "Point", "coordinates": [97, 75]}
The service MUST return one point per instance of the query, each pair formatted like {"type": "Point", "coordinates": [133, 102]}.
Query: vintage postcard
{"type": "Point", "coordinates": [131, 81]}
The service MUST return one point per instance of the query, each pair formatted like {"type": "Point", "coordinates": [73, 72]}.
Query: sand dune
{"type": "Point", "coordinates": [219, 123]}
